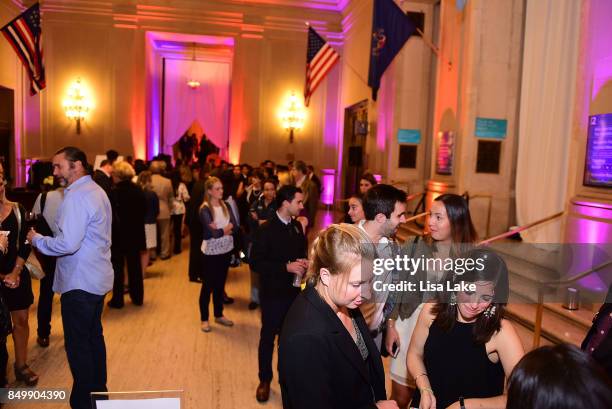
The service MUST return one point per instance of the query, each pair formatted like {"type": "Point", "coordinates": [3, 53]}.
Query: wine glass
{"type": "Point", "coordinates": [31, 219]}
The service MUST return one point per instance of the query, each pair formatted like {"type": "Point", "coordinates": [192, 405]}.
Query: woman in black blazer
{"type": "Point", "coordinates": [327, 358]}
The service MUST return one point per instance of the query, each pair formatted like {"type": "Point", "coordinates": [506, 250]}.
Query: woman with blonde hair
{"type": "Point", "coordinates": [218, 225]}
{"type": "Point", "coordinates": [128, 234]}
{"type": "Point", "coordinates": [327, 358]}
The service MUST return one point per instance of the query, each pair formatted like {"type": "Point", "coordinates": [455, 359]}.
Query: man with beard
{"type": "Point", "coordinates": [83, 274]}
{"type": "Point", "coordinates": [385, 209]}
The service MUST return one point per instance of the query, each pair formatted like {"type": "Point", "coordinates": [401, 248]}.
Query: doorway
{"type": "Point", "coordinates": [355, 136]}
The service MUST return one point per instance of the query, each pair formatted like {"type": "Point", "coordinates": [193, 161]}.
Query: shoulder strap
{"type": "Point", "coordinates": [18, 216]}
{"type": "Point", "coordinates": [43, 199]}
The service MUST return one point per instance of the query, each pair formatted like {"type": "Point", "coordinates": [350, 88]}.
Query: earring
{"type": "Point", "coordinates": [489, 312]}
{"type": "Point", "coordinates": [453, 299]}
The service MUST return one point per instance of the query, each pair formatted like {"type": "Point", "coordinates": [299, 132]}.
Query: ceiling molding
{"type": "Point", "coordinates": [250, 17]}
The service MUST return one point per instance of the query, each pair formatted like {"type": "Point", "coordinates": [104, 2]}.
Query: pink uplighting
{"type": "Point", "coordinates": [328, 180]}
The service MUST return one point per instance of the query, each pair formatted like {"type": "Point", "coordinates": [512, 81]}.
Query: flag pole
{"type": "Point", "coordinates": [428, 43]}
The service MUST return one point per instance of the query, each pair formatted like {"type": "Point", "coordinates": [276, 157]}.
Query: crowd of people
{"type": "Point", "coordinates": [447, 349]}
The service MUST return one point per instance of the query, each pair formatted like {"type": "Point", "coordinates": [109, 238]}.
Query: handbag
{"type": "Point", "coordinates": [31, 264]}
{"type": "Point", "coordinates": [219, 245]}
{"type": "Point", "coordinates": [216, 246]}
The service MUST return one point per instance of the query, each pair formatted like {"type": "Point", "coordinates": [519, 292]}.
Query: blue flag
{"type": "Point", "coordinates": [391, 27]}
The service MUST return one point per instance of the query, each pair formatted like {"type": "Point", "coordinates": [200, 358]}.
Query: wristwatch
{"type": "Point", "coordinates": [461, 402]}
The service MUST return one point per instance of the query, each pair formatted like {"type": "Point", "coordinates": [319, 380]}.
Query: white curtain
{"type": "Point", "coordinates": [547, 98]}
{"type": "Point", "coordinates": [208, 104]}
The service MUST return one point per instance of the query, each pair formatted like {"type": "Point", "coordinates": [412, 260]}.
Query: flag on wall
{"type": "Point", "coordinates": [24, 35]}
{"type": "Point", "coordinates": [391, 28]}
{"type": "Point", "coordinates": [320, 58]}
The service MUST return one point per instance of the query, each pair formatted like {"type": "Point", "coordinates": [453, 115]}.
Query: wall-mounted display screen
{"type": "Point", "coordinates": [598, 163]}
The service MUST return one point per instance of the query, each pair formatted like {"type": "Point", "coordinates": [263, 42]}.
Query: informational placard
{"type": "Point", "coordinates": [491, 128]}
{"type": "Point", "coordinates": [412, 136]}
{"type": "Point", "coordinates": [598, 163]}
{"type": "Point", "coordinates": [445, 153]}
{"type": "Point", "coordinates": [161, 403]}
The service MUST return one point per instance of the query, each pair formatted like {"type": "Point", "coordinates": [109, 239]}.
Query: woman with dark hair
{"type": "Point", "coordinates": [327, 357]}
{"type": "Point", "coordinates": [218, 226]}
{"type": "Point", "coordinates": [462, 347]}
{"type": "Point", "coordinates": [558, 377]}
{"type": "Point", "coordinates": [451, 232]}
{"type": "Point", "coordinates": [366, 181]}
{"type": "Point", "coordinates": [355, 211]}
{"type": "Point", "coordinates": [16, 282]}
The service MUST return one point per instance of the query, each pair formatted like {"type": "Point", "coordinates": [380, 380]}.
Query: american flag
{"type": "Point", "coordinates": [320, 58]}
{"type": "Point", "coordinates": [25, 36]}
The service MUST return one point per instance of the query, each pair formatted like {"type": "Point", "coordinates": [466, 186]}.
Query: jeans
{"type": "Point", "coordinates": [84, 342]}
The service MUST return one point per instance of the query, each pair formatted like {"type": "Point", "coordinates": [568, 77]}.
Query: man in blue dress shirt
{"type": "Point", "coordinates": [83, 273]}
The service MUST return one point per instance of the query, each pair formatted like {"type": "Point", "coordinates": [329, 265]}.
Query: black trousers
{"type": "Point", "coordinates": [195, 254]}
{"type": "Point", "coordinates": [215, 275]}
{"type": "Point", "coordinates": [45, 298]}
{"type": "Point", "coordinates": [134, 268]}
{"type": "Point", "coordinates": [84, 342]}
{"type": "Point", "coordinates": [273, 313]}
{"type": "Point", "coordinates": [177, 224]}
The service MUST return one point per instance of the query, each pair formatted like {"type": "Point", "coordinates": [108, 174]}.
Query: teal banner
{"type": "Point", "coordinates": [491, 128]}
{"type": "Point", "coordinates": [409, 136]}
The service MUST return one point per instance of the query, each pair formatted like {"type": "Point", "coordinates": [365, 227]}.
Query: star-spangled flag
{"type": "Point", "coordinates": [391, 28]}
{"type": "Point", "coordinates": [25, 36]}
{"type": "Point", "coordinates": [320, 58]}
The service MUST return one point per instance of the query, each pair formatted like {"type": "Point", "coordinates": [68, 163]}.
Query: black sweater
{"type": "Point", "coordinates": [276, 244]}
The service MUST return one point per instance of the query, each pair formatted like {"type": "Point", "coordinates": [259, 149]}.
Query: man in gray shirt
{"type": "Point", "coordinates": [83, 274]}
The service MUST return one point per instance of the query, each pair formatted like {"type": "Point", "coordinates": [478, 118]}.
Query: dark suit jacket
{"type": "Point", "coordinates": [105, 182]}
{"type": "Point", "coordinates": [274, 245]}
{"type": "Point", "coordinates": [128, 203]}
{"type": "Point", "coordinates": [319, 363]}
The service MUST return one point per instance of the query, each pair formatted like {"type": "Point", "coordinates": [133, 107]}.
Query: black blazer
{"type": "Point", "coordinates": [274, 245]}
{"type": "Point", "coordinates": [319, 363]}
{"type": "Point", "coordinates": [128, 204]}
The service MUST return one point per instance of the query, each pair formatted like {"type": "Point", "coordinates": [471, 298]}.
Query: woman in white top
{"type": "Point", "coordinates": [218, 226]}
{"type": "Point", "coordinates": [181, 196]}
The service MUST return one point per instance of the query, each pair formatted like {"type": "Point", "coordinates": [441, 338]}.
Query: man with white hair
{"type": "Point", "coordinates": [163, 189]}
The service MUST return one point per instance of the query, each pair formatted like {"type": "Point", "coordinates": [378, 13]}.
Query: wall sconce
{"type": "Point", "coordinates": [293, 116]}
{"type": "Point", "coordinates": [77, 104]}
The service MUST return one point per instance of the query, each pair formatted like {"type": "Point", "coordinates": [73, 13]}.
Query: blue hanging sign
{"type": "Point", "coordinates": [491, 128]}
{"type": "Point", "coordinates": [412, 136]}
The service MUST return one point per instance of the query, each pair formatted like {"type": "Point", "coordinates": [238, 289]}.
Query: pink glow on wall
{"type": "Point", "coordinates": [328, 180]}
{"type": "Point", "coordinates": [378, 178]}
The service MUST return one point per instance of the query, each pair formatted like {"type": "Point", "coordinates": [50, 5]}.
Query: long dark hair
{"type": "Point", "coordinates": [463, 233]}
{"type": "Point", "coordinates": [558, 377]}
{"type": "Point", "coordinates": [493, 270]}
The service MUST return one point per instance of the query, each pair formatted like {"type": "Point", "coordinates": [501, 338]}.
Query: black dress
{"type": "Point", "coordinates": [456, 366]}
{"type": "Point", "coordinates": [21, 297]}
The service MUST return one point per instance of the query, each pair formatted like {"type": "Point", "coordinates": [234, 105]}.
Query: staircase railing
{"type": "Point", "coordinates": [547, 286]}
{"type": "Point", "coordinates": [520, 229]}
